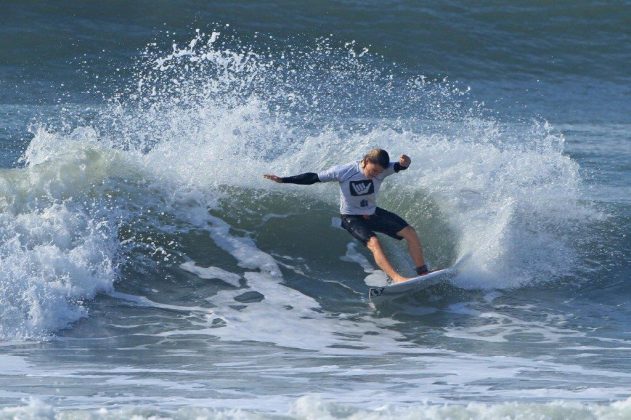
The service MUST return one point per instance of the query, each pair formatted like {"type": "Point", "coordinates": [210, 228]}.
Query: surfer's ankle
{"type": "Point", "coordinates": [422, 270]}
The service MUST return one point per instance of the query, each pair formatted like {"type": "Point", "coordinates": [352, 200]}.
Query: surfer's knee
{"type": "Point", "coordinates": [373, 243]}
{"type": "Point", "coordinates": [407, 232]}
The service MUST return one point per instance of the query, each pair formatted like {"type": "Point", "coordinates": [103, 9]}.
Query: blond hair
{"type": "Point", "coordinates": [377, 156]}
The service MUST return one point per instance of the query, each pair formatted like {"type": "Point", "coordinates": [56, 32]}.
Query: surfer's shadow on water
{"type": "Point", "coordinates": [434, 299]}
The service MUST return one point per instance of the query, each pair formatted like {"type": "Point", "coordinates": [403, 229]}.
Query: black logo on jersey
{"type": "Point", "coordinates": [362, 187]}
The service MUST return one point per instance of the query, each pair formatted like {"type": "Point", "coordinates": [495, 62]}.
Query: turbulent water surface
{"type": "Point", "coordinates": [147, 268]}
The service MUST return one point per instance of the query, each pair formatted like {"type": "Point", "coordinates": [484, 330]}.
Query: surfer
{"type": "Point", "coordinates": [359, 184]}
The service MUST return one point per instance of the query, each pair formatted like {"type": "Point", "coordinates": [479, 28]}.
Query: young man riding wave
{"type": "Point", "coordinates": [359, 184]}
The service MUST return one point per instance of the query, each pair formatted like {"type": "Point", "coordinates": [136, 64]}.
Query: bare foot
{"type": "Point", "coordinates": [400, 279]}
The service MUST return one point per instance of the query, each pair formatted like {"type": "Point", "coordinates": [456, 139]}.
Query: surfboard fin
{"type": "Point", "coordinates": [375, 291]}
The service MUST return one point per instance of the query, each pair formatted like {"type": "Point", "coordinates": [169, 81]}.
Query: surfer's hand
{"type": "Point", "coordinates": [405, 161]}
{"type": "Point", "coordinates": [273, 178]}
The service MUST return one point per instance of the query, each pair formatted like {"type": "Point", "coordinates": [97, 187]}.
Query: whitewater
{"type": "Point", "coordinates": [148, 269]}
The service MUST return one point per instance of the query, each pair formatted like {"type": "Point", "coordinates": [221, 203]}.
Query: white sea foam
{"type": "Point", "coordinates": [312, 407]}
{"type": "Point", "coordinates": [503, 192]}
{"type": "Point", "coordinates": [315, 407]}
{"type": "Point", "coordinates": [210, 273]}
{"type": "Point", "coordinates": [284, 317]}
{"type": "Point", "coordinates": [506, 190]}
{"type": "Point", "coordinates": [512, 210]}
{"type": "Point", "coordinates": [55, 251]}
{"type": "Point", "coordinates": [497, 327]}
{"type": "Point", "coordinates": [203, 125]}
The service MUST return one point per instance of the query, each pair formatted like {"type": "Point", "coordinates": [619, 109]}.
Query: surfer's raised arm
{"type": "Point", "coordinates": [403, 163]}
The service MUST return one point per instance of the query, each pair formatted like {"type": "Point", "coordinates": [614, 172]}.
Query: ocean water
{"type": "Point", "coordinates": [148, 270]}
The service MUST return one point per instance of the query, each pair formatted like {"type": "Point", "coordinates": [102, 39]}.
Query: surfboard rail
{"type": "Point", "coordinates": [413, 284]}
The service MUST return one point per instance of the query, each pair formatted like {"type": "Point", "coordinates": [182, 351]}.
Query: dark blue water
{"type": "Point", "coordinates": [147, 268]}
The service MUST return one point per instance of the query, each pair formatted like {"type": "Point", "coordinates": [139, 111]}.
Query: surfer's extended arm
{"type": "Point", "coordinates": [307, 178]}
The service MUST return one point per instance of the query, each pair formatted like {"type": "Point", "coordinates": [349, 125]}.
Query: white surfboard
{"type": "Point", "coordinates": [414, 284]}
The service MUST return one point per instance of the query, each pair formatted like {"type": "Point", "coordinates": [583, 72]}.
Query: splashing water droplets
{"type": "Point", "coordinates": [214, 113]}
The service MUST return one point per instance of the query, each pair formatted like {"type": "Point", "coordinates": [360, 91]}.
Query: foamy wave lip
{"type": "Point", "coordinates": [57, 247]}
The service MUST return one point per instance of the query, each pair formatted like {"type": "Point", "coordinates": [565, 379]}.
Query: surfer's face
{"type": "Point", "coordinates": [371, 170]}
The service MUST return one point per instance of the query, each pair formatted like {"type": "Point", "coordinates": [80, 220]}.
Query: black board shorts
{"type": "Point", "coordinates": [382, 221]}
